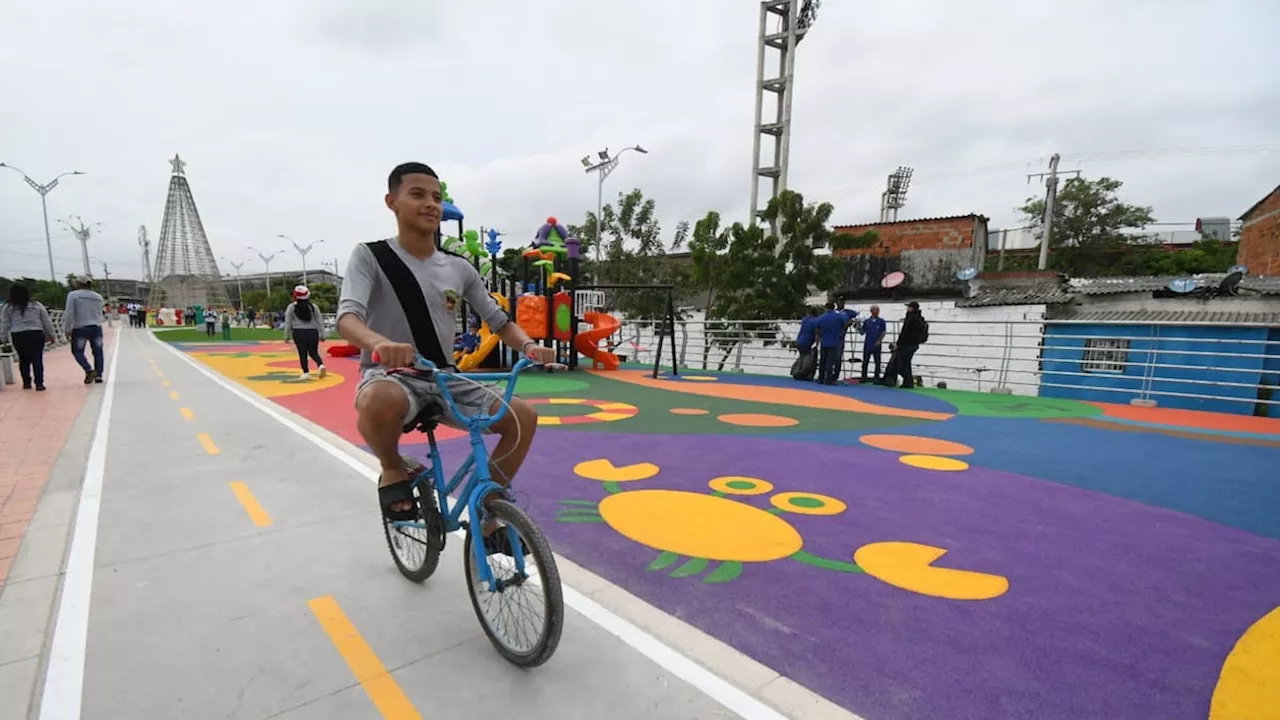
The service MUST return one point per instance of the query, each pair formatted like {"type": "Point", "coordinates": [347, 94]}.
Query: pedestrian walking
{"type": "Point", "coordinates": [25, 324]}
{"type": "Point", "coordinates": [82, 321]}
{"type": "Point", "coordinates": [304, 323]}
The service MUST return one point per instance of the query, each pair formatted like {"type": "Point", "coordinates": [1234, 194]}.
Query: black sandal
{"type": "Point", "coordinates": [397, 493]}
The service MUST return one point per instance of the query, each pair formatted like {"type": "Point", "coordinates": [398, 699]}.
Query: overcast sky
{"type": "Point", "coordinates": [290, 113]}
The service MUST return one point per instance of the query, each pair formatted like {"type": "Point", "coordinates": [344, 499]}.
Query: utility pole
{"type": "Point", "coordinates": [303, 252]}
{"type": "Point", "coordinates": [145, 245]}
{"type": "Point", "coordinates": [603, 169]}
{"type": "Point", "coordinates": [266, 261]}
{"type": "Point", "coordinates": [82, 233]}
{"type": "Point", "coordinates": [1050, 200]}
{"type": "Point", "coordinates": [44, 190]}
{"type": "Point", "coordinates": [239, 289]}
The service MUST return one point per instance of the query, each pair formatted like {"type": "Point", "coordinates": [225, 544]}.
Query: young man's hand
{"type": "Point", "coordinates": [541, 354]}
{"type": "Point", "coordinates": [394, 354]}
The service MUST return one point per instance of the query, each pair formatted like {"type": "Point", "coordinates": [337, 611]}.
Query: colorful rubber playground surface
{"type": "Point", "coordinates": [906, 554]}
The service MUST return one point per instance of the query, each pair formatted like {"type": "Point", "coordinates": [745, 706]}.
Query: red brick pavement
{"type": "Point", "coordinates": [33, 428]}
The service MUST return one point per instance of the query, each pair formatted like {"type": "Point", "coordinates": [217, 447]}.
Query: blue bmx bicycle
{"type": "Point", "coordinates": [515, 591]}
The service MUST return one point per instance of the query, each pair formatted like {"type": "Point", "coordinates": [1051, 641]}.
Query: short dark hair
{"type": "Point", "coordinates": [831, 306]}
{"type": "Point", "coordinates": [409, 168]}
{"type": "Point", "coordinates": [813, 311]}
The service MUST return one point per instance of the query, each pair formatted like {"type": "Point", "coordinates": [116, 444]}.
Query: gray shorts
{"type": "Point", "coordinates": [470, 398]}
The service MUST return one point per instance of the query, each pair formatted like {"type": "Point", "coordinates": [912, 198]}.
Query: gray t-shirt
{"type": "Point", "coordinates": [84, 309]}
{"type": "Point", "coordinates": [445, 281]}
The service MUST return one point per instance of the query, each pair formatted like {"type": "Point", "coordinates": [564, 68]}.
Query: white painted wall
{"type": "Point", "coordinates": [967, 348]}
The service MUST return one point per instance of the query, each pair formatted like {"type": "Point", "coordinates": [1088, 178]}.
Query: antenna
{"type": "Point", "coordinates": [1230, 283]}
{"type": "Point", "coordinates": [1182, 285]}
{"type": "Point", "coordinates": [1238, 269]}
{"type": "Point", "coordinates": [968, 273]}
{"type": "Point", "coordinates": [894, 279]}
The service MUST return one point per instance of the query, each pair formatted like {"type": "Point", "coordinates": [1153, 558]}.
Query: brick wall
{"type": "Point", "coordinates": [1260, 238]}
{"type": "Point", "coordinates": [936, 234]}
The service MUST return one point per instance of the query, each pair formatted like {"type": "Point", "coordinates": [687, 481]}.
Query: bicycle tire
{"type": "Point", "coordinates": [553, 598]}
{"type": "Point", "coordinates": [430, 517]}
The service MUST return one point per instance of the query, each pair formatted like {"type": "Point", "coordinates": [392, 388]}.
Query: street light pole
{"type": "Point", "coordinates": [303, 252]}
{"type": "Point", "coordinates": [266, 260]}
{"type": "Point", "coordinates": [603, 169]}
{"type": "Point", "coordinates": [44, 190]}
{"type": "Point", "coordinates": [239, 289]}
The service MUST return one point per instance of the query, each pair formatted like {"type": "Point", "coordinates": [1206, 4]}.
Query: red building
{"type": "Point", "coordinates": [941, 233]}
{"type": "Point", "coordinates": [1260, 236]}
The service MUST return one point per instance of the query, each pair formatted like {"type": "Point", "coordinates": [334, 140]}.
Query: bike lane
{"type": "Point", "coordinates": [239, 570]}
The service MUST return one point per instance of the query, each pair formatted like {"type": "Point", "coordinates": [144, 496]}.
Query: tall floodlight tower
{"type": "Point", "coordinates": [185, 273]}
{"type": "Point", "coordinates": [145, 245]}
{"type": "Point", "coordinates": [791, 20]}
{"type": "Point", "coordinates": [894, 196]}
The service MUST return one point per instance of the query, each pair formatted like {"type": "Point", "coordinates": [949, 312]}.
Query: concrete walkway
{"type": "Point", "coordinates": [237, 570]}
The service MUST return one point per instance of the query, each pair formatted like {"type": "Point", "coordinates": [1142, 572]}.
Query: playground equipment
{"type": "Point", "coordinates": [602, 326]}
{"type": "Point", "coordinates": [488, 341]}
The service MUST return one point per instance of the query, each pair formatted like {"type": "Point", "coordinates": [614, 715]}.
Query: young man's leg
{"type": "Point", "coordinates": [95, 342]}
{"type": "Point", "coordinates": [78, 340]}
{"type": "Point", "coordinates": [381, 407]}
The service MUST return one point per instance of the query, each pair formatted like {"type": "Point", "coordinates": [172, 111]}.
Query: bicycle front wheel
{"type": "Point", "coordinates": [523, 618]}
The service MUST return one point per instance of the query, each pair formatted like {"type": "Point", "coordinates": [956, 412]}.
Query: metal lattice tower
{"type": "Point", "coordinates": [185, 271]}
{"type": "Point", "coordinates": [793, 18]}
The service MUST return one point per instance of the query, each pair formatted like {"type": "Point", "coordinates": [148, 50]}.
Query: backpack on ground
{"type": "Point", "coordinates": [804, 367]}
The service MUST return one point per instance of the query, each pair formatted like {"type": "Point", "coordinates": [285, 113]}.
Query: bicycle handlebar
{"type": "Point", "coordinates": [423, 364]}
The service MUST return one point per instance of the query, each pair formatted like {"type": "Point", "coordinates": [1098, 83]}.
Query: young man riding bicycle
{"type": "Point", "coordinates": [399, 297]}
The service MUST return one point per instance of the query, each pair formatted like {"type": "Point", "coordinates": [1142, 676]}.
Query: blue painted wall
{"type": "Point", "coordinates": [1064, 353]}
{"type": "Point", "coordinates": [1271, 371]}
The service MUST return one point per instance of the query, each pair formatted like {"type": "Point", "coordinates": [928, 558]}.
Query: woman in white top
{"type": "Point", "coordinates": [305, 325]}
{"type": "Point", "coordinates": [25, 324]}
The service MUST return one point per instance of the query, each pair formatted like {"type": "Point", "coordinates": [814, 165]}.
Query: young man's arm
{"type": "Point", "coordinates": [484, 306]}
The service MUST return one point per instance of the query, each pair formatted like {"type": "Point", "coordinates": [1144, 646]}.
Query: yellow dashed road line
{"type": "Point", "coordinates": [257, 514]}
{"type": "Point", "coordinates": [378, 684]}
{"type": "Point", "coordinates": [207, 442]}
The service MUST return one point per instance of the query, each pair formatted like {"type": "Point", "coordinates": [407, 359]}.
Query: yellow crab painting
{"type": "Point", "coordinates": [706, 528]}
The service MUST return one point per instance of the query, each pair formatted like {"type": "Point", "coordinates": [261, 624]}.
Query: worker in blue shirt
{"type": "Point", "coordinates": [808, 332]}
{"type": "Point", "coordinates": [874, 330]}
{"type": "Point", "coordinates": [831, 326]}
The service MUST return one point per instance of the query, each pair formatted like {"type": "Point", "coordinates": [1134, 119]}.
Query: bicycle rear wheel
{"type": "Point", "coordinates": [525, 616]}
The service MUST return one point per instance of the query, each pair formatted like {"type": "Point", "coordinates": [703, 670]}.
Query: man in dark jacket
{"type": "Point", "coordinates": [913, 333]}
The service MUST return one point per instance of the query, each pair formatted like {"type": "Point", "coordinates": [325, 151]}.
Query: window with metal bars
{"type": "Point", "coordinates": [1105, 355]}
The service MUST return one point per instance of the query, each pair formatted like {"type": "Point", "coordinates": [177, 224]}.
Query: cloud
{"type": "Point", "coordinates": [292, 113]}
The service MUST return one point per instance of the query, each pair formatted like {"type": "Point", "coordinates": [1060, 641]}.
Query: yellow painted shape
{"type": "Point", "coordinates": [932, 462]}
{"type": "Point", "coordinates": [605, 471]}
{"type": "Point", "coordinates": [378, 684]}
{"type": "Point", "coordinates": [909, 566]}
{"type": "Point", "coordinates": [187, 414]}
{"type": "Point", "coordinates": [1249, 686]}
{"type": "Point", "coordinates": [915, 445]}
{"type": "Point", "coordinates": [700, 526]}
{"type": "Point", "coordinates": [173, 395]}
{"type": "Point", "coordinates": [724, 484]}
{"type": "Point", "coordinates": [256, 512]}
{"type": "Point", "coordinates": [829, 506]}
{"type": "Point", "coordinates": [548, 420]}
{"type": "Point", "coordinates": [207, 443]}
{"type": "Point", "coordinates": [616, 406]}
{"type": "Point", "coordinates": [699, 378]}
{"type": "Point", "coordinates": [267, 362]}
{"type": "Point", "coordinates": [757, 420]}
{"type": "Point", "coordinates": [166, 383]}
{"type": "Point", "coordinates": [766, 394]}
{"type": "Point", "coordinates": [611, 416]}
{"type": "Point", "coordinates": [565, 401]}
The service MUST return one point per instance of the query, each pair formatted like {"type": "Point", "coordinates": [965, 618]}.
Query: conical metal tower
{"type": "Point", "coordinates": [185, 271]}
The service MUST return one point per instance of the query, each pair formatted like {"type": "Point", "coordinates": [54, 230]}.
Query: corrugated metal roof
{"type": "Point", "coordinates": [1170, 317]}
{"type": "Point", "coordinates": [1044, 294]}
{"type": "Point", "coordinates": [1110, 285]}
{"type": "Point", "coordinates": [912, 220]}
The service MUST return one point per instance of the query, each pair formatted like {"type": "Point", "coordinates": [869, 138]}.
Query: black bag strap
{"type": "Point", "coordinates": [409, 293]}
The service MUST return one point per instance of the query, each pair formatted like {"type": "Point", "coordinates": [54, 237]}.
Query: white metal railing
{"type": "Point", "coordinates": [1016, 355]}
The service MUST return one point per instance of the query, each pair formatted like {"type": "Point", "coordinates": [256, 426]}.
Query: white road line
{"type": "Point", "coordinates": [712, 685]}
{"type": "Point", "coordinates": [64, 678]}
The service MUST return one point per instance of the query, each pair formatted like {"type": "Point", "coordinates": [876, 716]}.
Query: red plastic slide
{"type": "Point", "coordinates": [602, 326]}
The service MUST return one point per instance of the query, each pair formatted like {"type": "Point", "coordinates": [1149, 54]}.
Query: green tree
{"type": "Point", "coordinates": [325, 296]}
{"type": "Point", "coordinates": [750, 274]}
{"type": "Point", "coordinates": [1088, 220]}
{"type": "Point", "coordinates": [52, 295]}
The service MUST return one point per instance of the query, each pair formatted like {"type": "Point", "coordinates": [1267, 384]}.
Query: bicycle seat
{"type": "Point", "coordinates": [426, 420]}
